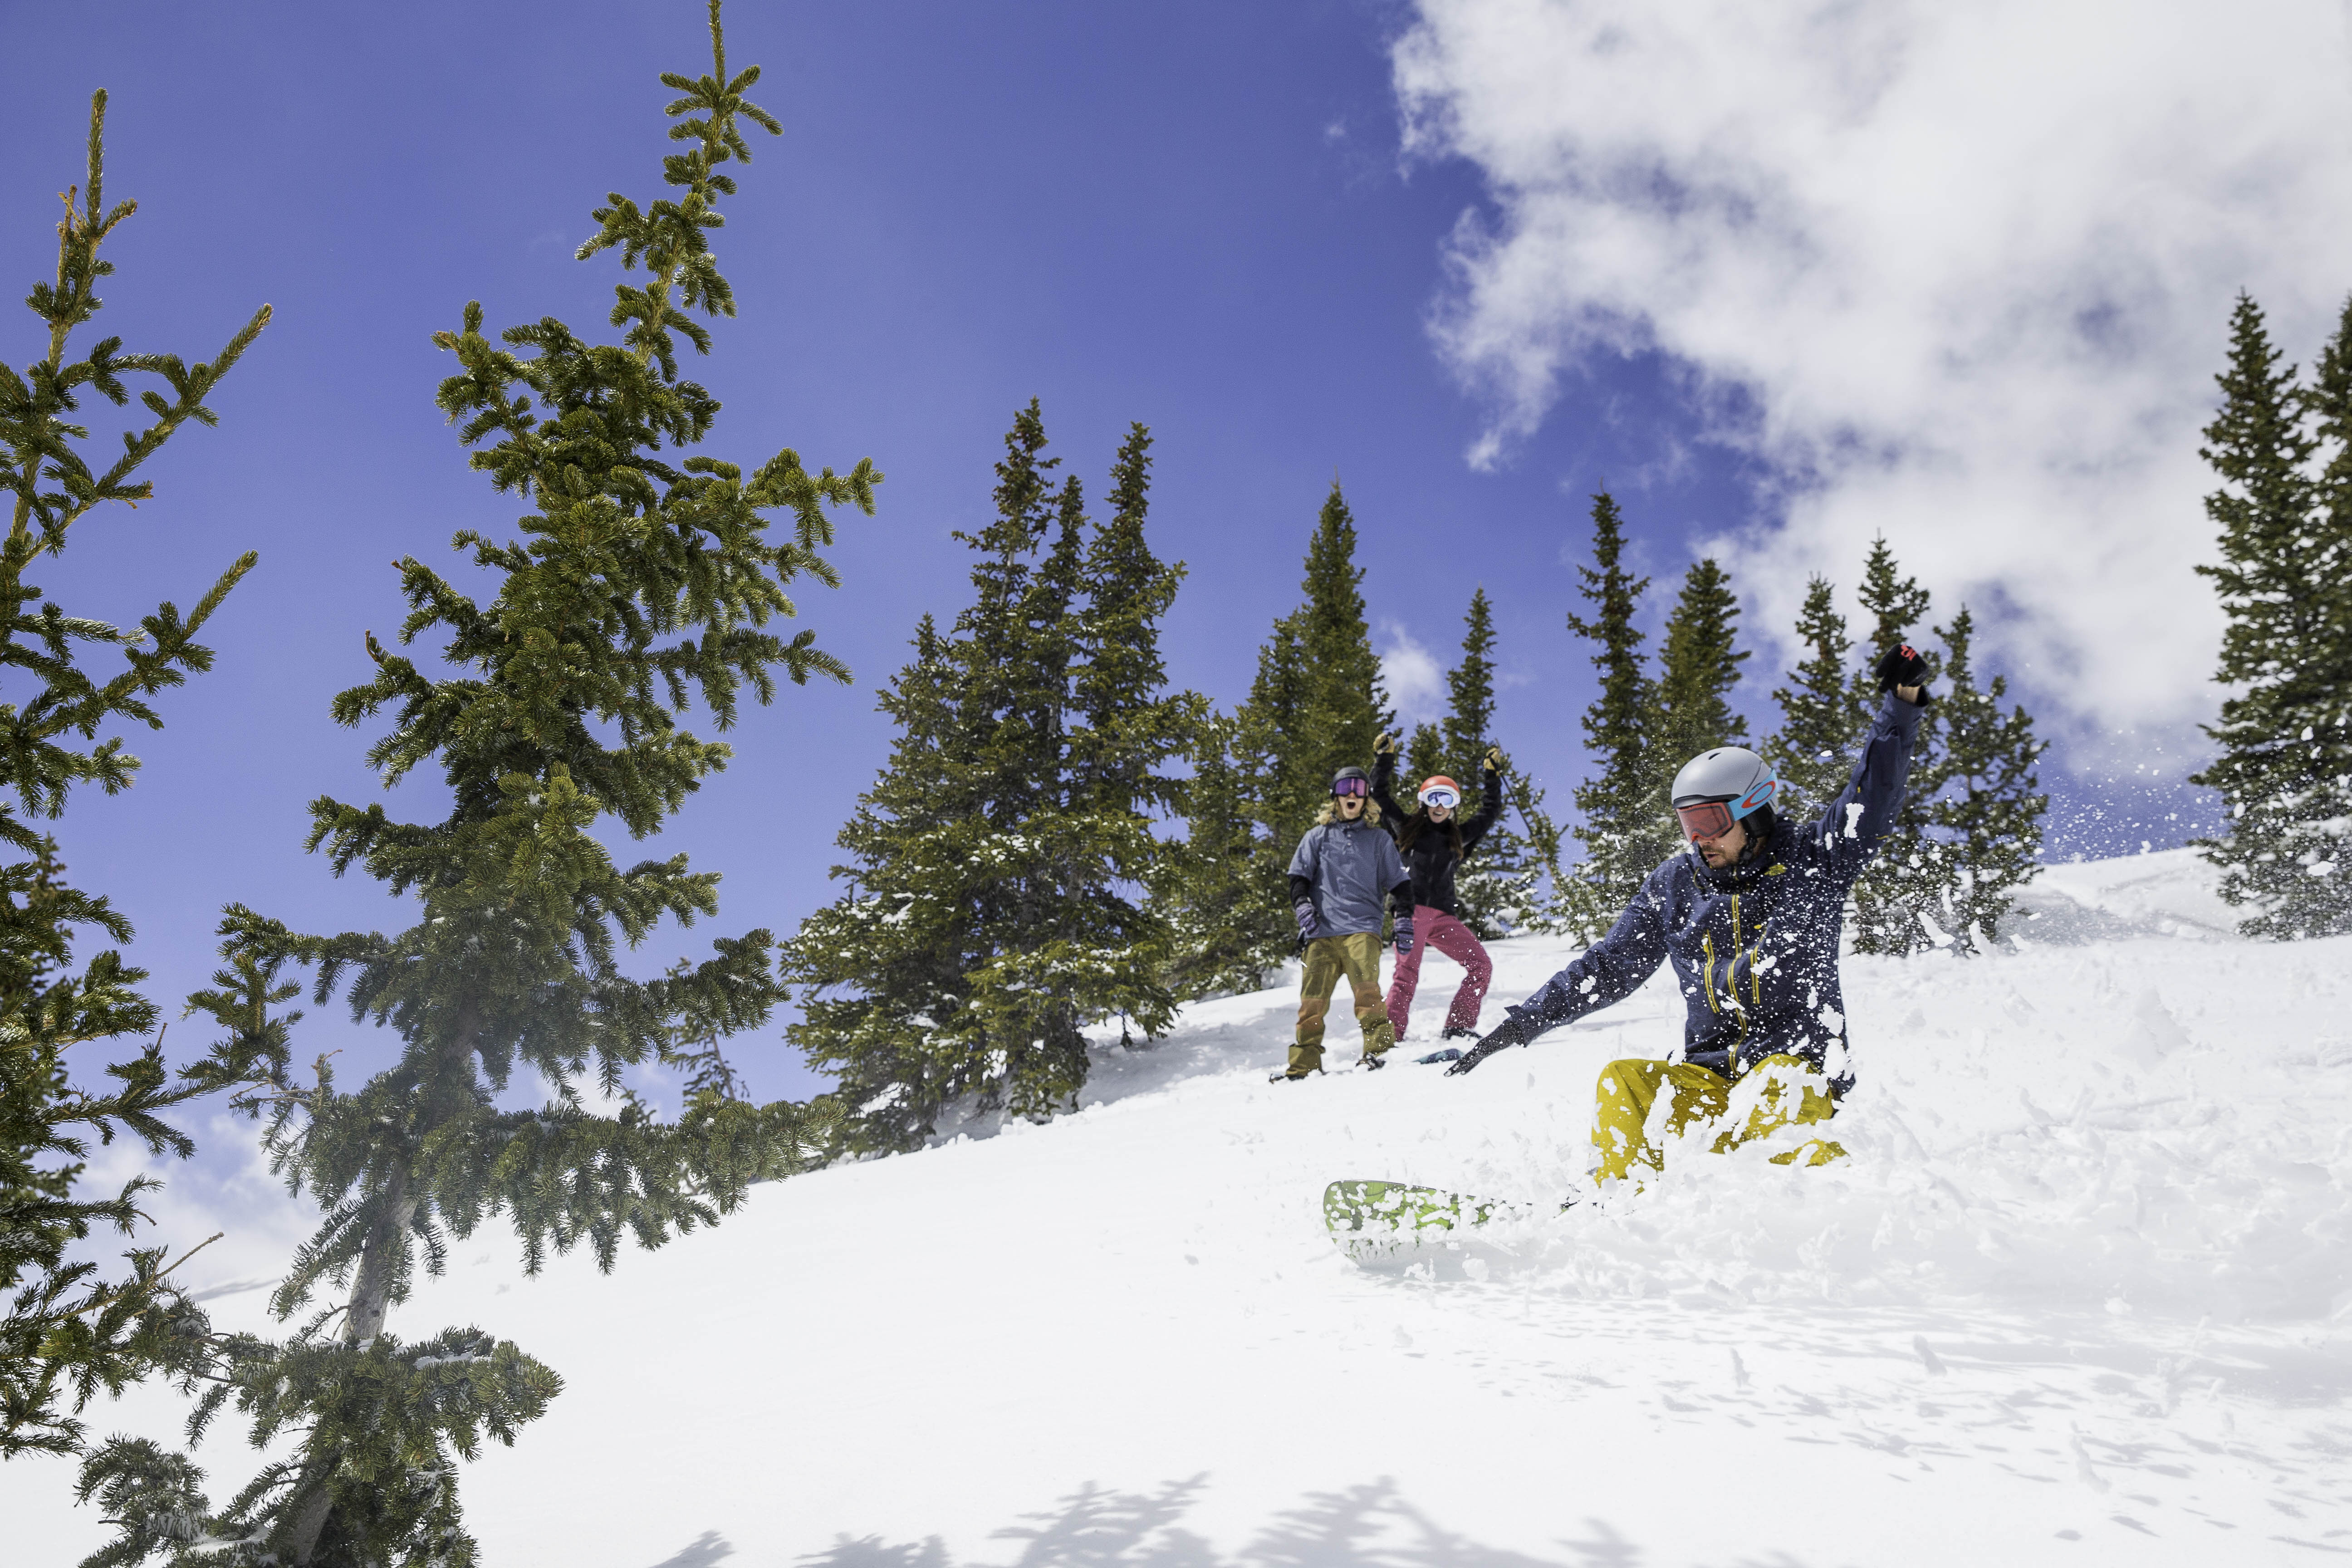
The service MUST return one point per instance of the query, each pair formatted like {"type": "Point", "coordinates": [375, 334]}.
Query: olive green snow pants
{"type": "Point", "coordinates": [1629, 1089]}
{"type": "Point", "coordinates": [1328, 957]}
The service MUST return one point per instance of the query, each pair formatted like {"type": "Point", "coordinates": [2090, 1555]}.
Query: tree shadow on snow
{"type": "Point", "coordinates": [1365, 1526]}
{"type": "Point", "coordinates": [705, 1551]}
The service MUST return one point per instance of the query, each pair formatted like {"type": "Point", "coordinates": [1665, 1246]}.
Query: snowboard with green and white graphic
{"type": "Point", "coordinates": [1393, 1225]}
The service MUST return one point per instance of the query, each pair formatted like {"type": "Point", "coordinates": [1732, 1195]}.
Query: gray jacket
{"type": "Point", "coordinates": [1349, 869]}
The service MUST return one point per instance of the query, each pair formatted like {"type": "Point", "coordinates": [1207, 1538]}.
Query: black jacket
{"type": "Point", "coordinates": [1755, 945]}
{"type": "Point", "coordinates": [1429, 859]}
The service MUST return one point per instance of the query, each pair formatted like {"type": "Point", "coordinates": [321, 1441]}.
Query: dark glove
{"type": "Point", "coordinates": [1404, 937]}
{"type": "Point", "coordinates": [1902, 667]}
{"type": "Point", "coordinates": [1739, 978]}
{"type": "Point", "coordinates": [1509, 1032]}
{"type": "Point", "coordinates": [1306, 926]}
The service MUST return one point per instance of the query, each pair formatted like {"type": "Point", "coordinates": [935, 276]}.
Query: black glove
{"type": "Point", "coordinates": [1902, 667]}
{"type": "Point", "coordinates": [1305, 910]}
{"type": "Point", "coordinates": [1739, 978]}
{"type": "Point", "coordinates": [1509, 1032]}
{"type": "Point", "coordinates": [1404, 934]}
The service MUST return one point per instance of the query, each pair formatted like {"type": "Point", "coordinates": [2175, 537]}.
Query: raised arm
{"type": "Point", "coordinates": [1384, 765]}
{"type": "Point", "coordinates": [1490, 800]}
{"type": "Point", "coordinates": [1865, 812]}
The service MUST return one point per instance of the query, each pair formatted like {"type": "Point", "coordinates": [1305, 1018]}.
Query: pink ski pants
{"type": "Point", "coordinates": [1449, 936]}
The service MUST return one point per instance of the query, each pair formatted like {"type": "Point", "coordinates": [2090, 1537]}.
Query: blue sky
{"type": "Point", "coordinates": [1197, 217]}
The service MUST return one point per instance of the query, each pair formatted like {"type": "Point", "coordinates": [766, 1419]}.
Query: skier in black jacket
{"type": "Point", "coordinates": [1433, 841]}
{"type": "Point", "coordinates": [1749, 918]}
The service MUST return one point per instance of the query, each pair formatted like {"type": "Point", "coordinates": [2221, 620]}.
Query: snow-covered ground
{"type": "Point", "coordinates": [2081, 1295]}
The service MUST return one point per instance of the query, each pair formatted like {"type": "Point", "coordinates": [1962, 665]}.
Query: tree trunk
{"type": "Point", "coordinates": [363, 1318]}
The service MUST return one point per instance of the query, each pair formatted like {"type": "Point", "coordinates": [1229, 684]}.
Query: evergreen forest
{"type": "Point", "coordinates": [1060, 850]}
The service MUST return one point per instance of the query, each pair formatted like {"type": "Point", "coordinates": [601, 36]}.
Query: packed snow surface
{"type": "Point", "coordinates": [2080, 1295]}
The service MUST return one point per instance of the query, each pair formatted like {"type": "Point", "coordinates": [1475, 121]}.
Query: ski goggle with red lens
{"type": "Point", "coordinates": [1351, 786]}
{"type": "Point", "coordinates": [1713, 818]}
{"type": "Point", "coordinates": [1706, 819]}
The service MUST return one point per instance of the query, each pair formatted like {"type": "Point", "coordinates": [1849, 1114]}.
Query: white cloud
{"type": "Point", "coordinates": [1960, 274]}
{"type": "Point", "coordinates": [1415, 681]}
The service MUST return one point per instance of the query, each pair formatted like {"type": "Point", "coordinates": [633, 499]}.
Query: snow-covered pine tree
{"type": "Point", "coordinates": [1626, 826]}
{"type": "Point", "coordinates": [882, 964]}
{"type": "Point", "coordinates": [1697, 668]}
{"type": "Point", "coordinates": [68, 1332]}
{"type": "Point", "coordinates": [2284, 767]}
{"type": "Point", "coordinates": [1812, 751]}
{"type": "Point", "coordinates": [1987, 818]}
{"type": "Point", "coordinates": [994, 907]}
{"type": "Point", "coordinates": [1911, 870]}
{"type": "Point", "coordinates": [642, 583]}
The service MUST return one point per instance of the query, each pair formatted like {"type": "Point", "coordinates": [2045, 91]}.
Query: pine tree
{"type": "Point", "coordinates": [67, 1333]}
{"type": "Point", "coordinates": [1426, 755]}
{"type": "Point", "coordinates": [996, 908]}
{"type": "Point", "coordinates": [1131, 728]}
{"type": "Point", "coordinates": [1469, 727]}
{"type": "Point", "coordinates": [1895, 606]}
{"type": "Point", "coordinates": [1502, 889]}
{"type": "Point", "coordinates": [883, 963]}
{"type": "Point", "coordinates": [1267, 776]}
{"type": "Point", "coordinates": [1343, 707]}
{"type": "Point", "coordinates": [1987, 818]}
{"type": "Point", "coordinates": [1626, 826]}
{"type": "Point", "coordinates": [1813, 752]}
{"type": "Point", "coordinates": [1314, 707]}
{"type": "Point", "coordinates": [641, 585]}
{"type": "Point", "coordinates": [2283, 455]}
{"type": "Point", "coordinates": [1910, 871]}
{"type": "Point", "coordinates": [1213, 874]}
{"type": "Point", "coordinates": [1698, 668]}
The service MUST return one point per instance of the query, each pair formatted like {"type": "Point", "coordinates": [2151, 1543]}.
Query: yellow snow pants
{"type": "Point", "coordinates": [1328, 957]}
{"type": "Point", "coordinates": [1628, 1089]}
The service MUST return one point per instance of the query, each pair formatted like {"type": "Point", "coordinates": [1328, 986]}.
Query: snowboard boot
{"type": "Point", "coordinates": [1374, 1063]}
{"type": "Point", "coordinates": [1456, 1032]}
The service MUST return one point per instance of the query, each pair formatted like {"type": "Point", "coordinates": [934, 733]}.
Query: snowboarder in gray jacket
{"type": "Point", "coordinates": [1343, 878]}
{"type": "Point", "coordinates": [1749, 919]}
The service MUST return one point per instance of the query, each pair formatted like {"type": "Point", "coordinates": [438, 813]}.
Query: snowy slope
{"type": "Point", "coordinates": [2080, 1296]}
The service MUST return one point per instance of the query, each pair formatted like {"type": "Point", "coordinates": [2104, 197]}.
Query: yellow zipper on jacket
{"type": "Point", "coordinates": [1739, 1013]}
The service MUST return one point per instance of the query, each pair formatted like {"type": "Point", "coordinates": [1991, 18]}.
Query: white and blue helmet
{"type": "Point", "coordinates": [1716, 788]}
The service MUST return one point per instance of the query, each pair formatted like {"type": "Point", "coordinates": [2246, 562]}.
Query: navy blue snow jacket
{"type": "Point", "coordinates": [1754, 945]}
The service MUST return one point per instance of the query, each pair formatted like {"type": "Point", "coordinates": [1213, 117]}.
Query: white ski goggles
{"type": "Point", "coordinates": [1442, 795]}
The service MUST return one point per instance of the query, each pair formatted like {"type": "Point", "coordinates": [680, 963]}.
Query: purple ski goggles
{"type": "Point", "coordinates": [1351, 786]}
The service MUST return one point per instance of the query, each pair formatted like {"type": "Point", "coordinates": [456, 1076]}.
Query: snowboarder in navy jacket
{"type": "Point", "coordinates": [1749, 917]}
